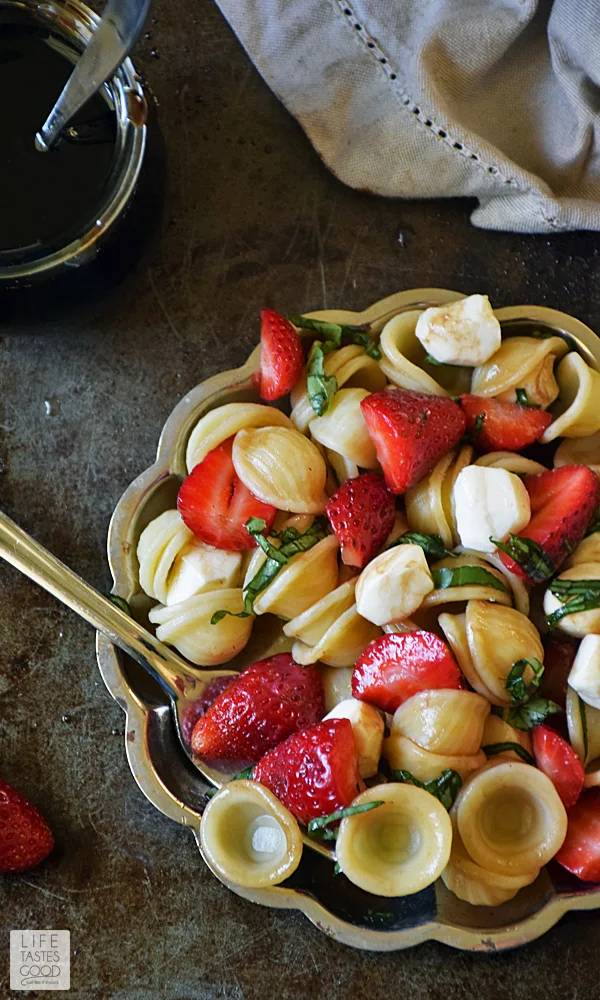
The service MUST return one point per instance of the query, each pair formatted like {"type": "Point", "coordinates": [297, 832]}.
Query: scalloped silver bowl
{"type": "Point", "coordinates": [172, 784]}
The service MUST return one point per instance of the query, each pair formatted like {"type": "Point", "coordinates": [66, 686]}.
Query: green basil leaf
{"type": "Point", "coordinates": [120, 603]}
{"type": "Point", "coordinates": [445, 788]}
{"type": "Point", "coordinates": [432, 545]}
{"type": "Point", "coordinates": [317, 827]}
{"type": "Point", "coordinates": [465, 576]}
{"type": "Point", "coordinates": [529, 556]}
{"type": "Point", "coordinates": [518, 691]}
{"type": "Point", "coordinates": [532, 713]}
{"type": "Point", "coordinates": [584, 725]}
{"type": "Point", "coordinates": [321, 388]}
{"type": "Point", "coordinates": [336, 333]}
{"type": "Point", "coordinates": [219, 615]}
{"type": "Point", "coordinates": [292, 542]}
{"type": "Point", "coordinates": [576, 595]}
{"type": "Point", "coordinates": [478, 424]}
{"type": "Point", "coordinates": [429, 360]}
{"type": "Point", "coordinates": [523, 399]}
{"type": "Point", "coordinates": [255, 525]}
{"type": "Point", "coordinates": [493, 748]}
{"type": "Point", "coordinates": [246, 775]}
{"type": "Point", "coordinates": [336, 869]}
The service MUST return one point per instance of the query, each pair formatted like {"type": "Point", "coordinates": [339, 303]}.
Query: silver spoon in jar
{"type": "Point", "coordinates": [183, 684]}
{"type": "Point", "coordinates": [110, 44]}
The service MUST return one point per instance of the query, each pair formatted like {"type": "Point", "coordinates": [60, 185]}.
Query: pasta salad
{"type": "Point", "coordinates": [425, 523]}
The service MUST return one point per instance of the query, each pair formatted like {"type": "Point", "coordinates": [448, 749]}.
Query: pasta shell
{"type": "Point", "coordinates": [400, 528]}
{"type": "Point", "coordinates": [310, 625]}
{"type": "Point", "coordinates": [343, 429]}
{"type": "Point", "coordinates": [576, 413]}
{"type": "Point", "coordinates": [404, 755]}
{"type": "Point", "coordinates": [583, 724]}
{"type": "Point", "coordinates": [588, 551]}
{"type": "Point", "coordinates": [157, 550]}
{"type": "Point", "coordinates": [404, 358]}
{"type": "Point", "coordinates": [513, 363]}
{"type": "Point", "coordinates": [496, 730]}
{"type": "Point", "coordinates": [467, 592]}
{"type": "Point", "coordinates": [454, 628]}
{"type": "Point", "coordinates": [540, 385]}
{"type": "Point", "coordinates": [187, 627]}
{"type": "Point", "coordinates": [308, 576]}
{"type": "Point", "coordinates": [443, 721]}
{"type": "Point", "coordinates": [343, 468]}
{"type": "Point", "coordinates": [510, 818]}
{"type": "Point", "coordinates": [515, 583]}
{"type": "Point", "coordinates": [584, 622]}
{"type": "Point", "coordinates": [579, 451]}
{"type": "Point", "coordinates": [281, 467]}
{"type": "Point", "coordinates": [424, 503]}
{"type": "Point", "coordinates": [351, 366]}
{"type": "Point", "coordinates": [497, 638]}
{"type": "Point", "coordinates": [225, 421]}
{"type": "Point", "coordinates": [337, 685]}
{"type": "Point", "coordinates": [248, 837]}
{"type": "Point", "coordinates": [342, 643]}
{"type": "Point", "coordinates": [474, 884]}
{"type": "Point", "coordinates": [399, 848]}
{"type": "Point", "coordinates": [511, 462]}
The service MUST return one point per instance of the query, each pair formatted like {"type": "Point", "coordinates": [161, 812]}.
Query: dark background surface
{"type": "Point", "coordinates": [253, 218]}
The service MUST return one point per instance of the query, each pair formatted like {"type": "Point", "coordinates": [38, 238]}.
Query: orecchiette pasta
{"type": "Point", "coordinates": [398, 848]}
{"type": "Point", "coordinates": [497, 732]}
{"type": "Point", "coordinates": [368, 728]}
{"type": "Point", "coordinates": [583, 622]}
{"type": "Point", "coordinates": [331, 630]}
{"type": "Point", "coordinates": [515, 583]}
{"type": "Point", "coordinates": [306, 577]}
{"type": "Point", "coordinates": [429, 503]}
{"type": "Point", "coordinates": [404, 358]}
{"type": "Point", "coordinates": [343, 429]}
{"type": "Point", "coordinates": [443, 721]}
{"type": "Point", "coordinates": [343, 468]}
{"type": "Point", "coordinates": [454, 628]}
{"type": "Point", "coordinates": [476, 885]}
{"type": "Point", "coordinates": [471, 591]}
{"type": "Point", "coordinates": [579, 451]}
{"type": "Point", "coordinates": [404, 755]}
{"type": "Point", "coordinates": [350, 366]}
{"type": "Point", "coordinates": [337, 685]}
{"type": "Point", "coordinates": [281, 467]}
{"type": "Point", "coordinates": [225, 421]}
{"type": "Point", "coordinates": [511, 461]}
{"type": "Point", "coordinates": [588, 551]}
{"type": "Point", "coordinates": [577, 413]}
{"type": "Point", "coordinates": [187, 626]}
{"type": "Point", "coordinates": [583, 723]}
{"type": "Point", "coordinates": [521, 363]}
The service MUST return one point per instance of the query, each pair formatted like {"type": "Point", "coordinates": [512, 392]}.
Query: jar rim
{"type": "Point", "coordinates": [76, 22]}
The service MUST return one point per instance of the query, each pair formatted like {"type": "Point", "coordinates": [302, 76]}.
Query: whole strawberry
{"type": "Point", "coordinates": [361, 514]}
{"type": "Point", "coordinates": [315, 772]}
{"type": "Point", "coordinates": [25, 837]}
{"type": "Point", "coordinates": [265, 704]}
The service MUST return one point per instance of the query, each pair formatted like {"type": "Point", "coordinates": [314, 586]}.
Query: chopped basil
{"type": "Point", "coordinates": [594, 524]}
{"type": "Point", "coordinates": [120, 603]}
{"type": "Point", "coordinates": [211, 792]}
{"type": "Point", "coordinates": [432, 545]}
{"type": "Point", "coordinates": [532, 713]}
{"type": "Point", "coordinates": [445, 788]}
{"type": "Point", "coordinates": [478, 424]}
{"type": "Point", "coordinates": [335, 333]}
{"type": "Point", "coordinates": [529, 555]}
{"type": "Point", "coordinates": [223, 613]}
{"type": "Point", "coordinates": [517, 690]}
{"type": "Point", "coordinates": [493, 748]}
{"type": "Point", "coordinates": [246, 775]}
{"type": "Point", "coordinates": [523, 399]}
{"type": "Point", "coordinates": [337, 869]}
{"type": "Point", "coordinates": [465, 576]}
{"type": "Point", "coordinates": [321, 388]}
{"type": "Point", "coordinates": [434, 361]}
{"type": "Point", "coordinates": [584, 726]}
{"type": "Point", "coordinates": [318, 827]}
{"type": "Point", "coordinates": [576, 595]}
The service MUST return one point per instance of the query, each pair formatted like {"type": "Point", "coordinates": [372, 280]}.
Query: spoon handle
{"type": "Point", "coordinates": [32, 559]}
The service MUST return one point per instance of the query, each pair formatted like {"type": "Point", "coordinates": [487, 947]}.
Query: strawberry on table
{"type": "Point", "coordinates": [395, 666]}
{"type": "Point", "coordinates": [562, 503]}
{"type": "Point", "coordinates": [498, 426]}
{"type": "Point", "coordinates": [215, 504]}
{"type": "Point", "coordinates": [258, 709]}
{"type": "Point", "coordinates": [314, 772]}
{"type": "Point", "coordinates": [557, 759]}
{"type": "Point", "coordinates": [362, 514]}
{"type": "Point", "coordinates": [580, 853]}
{"type": "Point", "coordinates": [281, 357]}
{"type": "Point", "coordinates": [25, 838]}
{"type": "Point", "coordinates": [411, 431]}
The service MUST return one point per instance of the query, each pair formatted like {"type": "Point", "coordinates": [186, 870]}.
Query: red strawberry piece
{"type": "Point", "coordinates": [562, 503]}
{"type": "Point", "coordinates": [281, 356]}
{"type": "Point", "coordinates": [556, 758]}
{"type": "Point", "coordinates": [580, 853]}
{"type": "Point", "coordinates": [411, 431]}
{"type": "Point", "coordinates": [361, 514]}
{"type": "Point", "coordinates": [559, 654]}
{"type": "Point", "coordinates": [505, 426]}
{"type": "Point", "coordinates": [215, 504]}
{"type": "Point", "coordinates": [261, 707]}
{"type": "Point", "coordinates": [393, 667]}
{"type": "Point", "coordinates": [200, 706]}
{"type": "Point", "coordinates": [25, 837]}
{"type": "Point", "coordinates": [314, 772]}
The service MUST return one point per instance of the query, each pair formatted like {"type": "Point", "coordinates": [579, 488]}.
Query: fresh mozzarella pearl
{"type": "Point", "coordinates": [393, 585]}
{"type": "Point", "coordinates": [199, 567]}
{"type": "Point", "coordinates": [368, 728]}
{"type": "Point", "coordinates": [585, 672]}
{"type": "Point", "coordinates": [460, 333]}
{"type": "Point", "coordinates": [488, 503]}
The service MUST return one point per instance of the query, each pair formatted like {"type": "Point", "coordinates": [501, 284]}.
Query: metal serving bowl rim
{"type": "Point", "coordinates": [141, 717]}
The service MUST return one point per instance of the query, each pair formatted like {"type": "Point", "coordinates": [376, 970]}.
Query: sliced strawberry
{"type": "Point", "coordinates": [411, 431]}
{"type": "Point", "coordinates": [562, 503]}
{"type": "Point", "coordinates": [25, 837]}
{"type": "Point", "coordinates": [580, 853]}
{"type": "Point", "coordinates": [556, 758]}
{"type": "Point", "coordinates": [314, 772]}
{"type": "Point", "coordinates": [560, 650]}
{"type": "Point", "coordinates": [198, 708]}
{"type": "Point", "coordinates": [215, 504]}
{"type": "Point", "coordinates": [266, 703]}
{"type": "Point", "coordinates": [393, 667]}
{"type": "Point", "coordinates": [498, 426]}
{"type": "Point", "coordinates": [281, 356]}
{"type": "Point", "coordinates": [361, 514]}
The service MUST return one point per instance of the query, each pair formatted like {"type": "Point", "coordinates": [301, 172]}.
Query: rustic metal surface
{"type": "Point", "coordinates": [253, 218]}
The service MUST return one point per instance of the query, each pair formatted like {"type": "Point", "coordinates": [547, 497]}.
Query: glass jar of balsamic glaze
{"type": "Point", "coordinates": [74, 222]}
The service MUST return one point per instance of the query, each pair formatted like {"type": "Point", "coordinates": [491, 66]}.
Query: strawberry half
{"type": "Point", "coordinates": [411, 431]}
{"type": "Point", "coordinates": [261, 707]}
{"type": "Point", "coordinates": [361, 514]}
{"type": "Point", "coordinates": [198, 708]}
{"type": "Point", "coordinates": [393, 667]}
{"type": "Point", "coordinates": [580, 853]}
{"type": "Point", "coordinates": [215, 504]}
{"type": "Point", "coordinates": [314, 772]}
{"type": "Point", "coordinates": [25, 838]}
{"type": "Point", "coordinates": [281, 356]}
{"type": "Point", "coordinates": [562, 503]}
{"type": "Point", "coordinates": [556, 758]}
{"type": "Point", "coordinates": [498, 426]}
